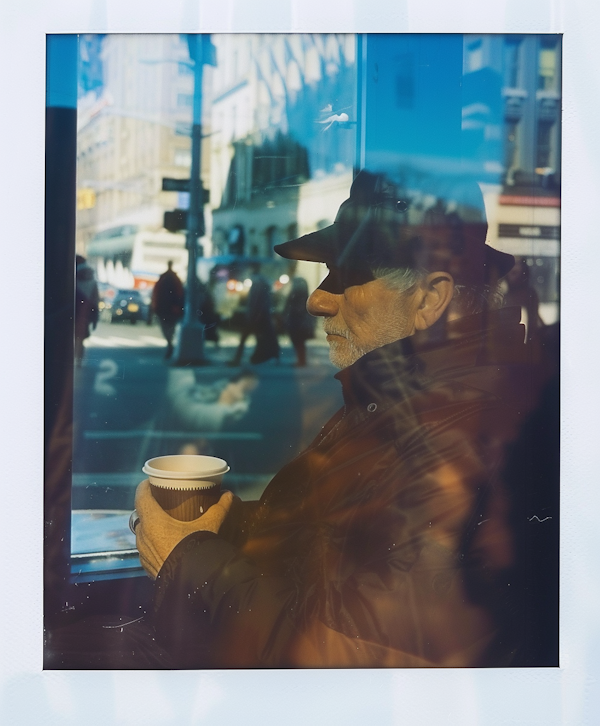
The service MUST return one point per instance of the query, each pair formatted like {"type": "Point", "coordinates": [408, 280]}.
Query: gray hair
{"type": "Point", "coordinates": [469, 299]}
{"type": "Point", "coordinates": [400, 279]}
{"type": "Point", "coordinates": [472, 299]}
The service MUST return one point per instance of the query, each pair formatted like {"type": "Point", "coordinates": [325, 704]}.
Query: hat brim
{"type": "Point", "coordinates": [319, 246]}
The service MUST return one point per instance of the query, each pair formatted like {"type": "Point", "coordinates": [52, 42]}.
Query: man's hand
{"type": "Point", "coordinates": [157, 534]}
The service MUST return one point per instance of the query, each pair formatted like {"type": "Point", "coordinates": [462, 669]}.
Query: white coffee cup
{"type": "Point", "coordinates": [185, 485]}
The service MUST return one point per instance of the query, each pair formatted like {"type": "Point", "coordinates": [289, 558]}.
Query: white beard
{"type": "Point", "coordinates": [347, 350]}
{"type": "Point", "coordinates": [344, 353]}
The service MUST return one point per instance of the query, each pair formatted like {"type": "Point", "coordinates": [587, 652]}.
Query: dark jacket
{"type": "Point", "coordinates": [260, 320]}
{"type": "Point", "coordinates": [86, 300]}
{"type": "Point", "coordinates": [299, 323]}
{"type": "Point", "coordinates": [168, 297]}
{"type": "Point", "coordinates": [387, 542]}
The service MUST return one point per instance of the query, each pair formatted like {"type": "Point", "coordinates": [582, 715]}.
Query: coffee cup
{"type": "Point", "coordinates": [184, 485]}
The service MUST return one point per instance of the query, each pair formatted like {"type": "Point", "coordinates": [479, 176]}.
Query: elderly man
{"type": "Point", "coordinates": [387, 541]}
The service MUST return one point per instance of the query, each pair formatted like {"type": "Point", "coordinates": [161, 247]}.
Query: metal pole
{"type": "Point", "coordinates": [190, 346]}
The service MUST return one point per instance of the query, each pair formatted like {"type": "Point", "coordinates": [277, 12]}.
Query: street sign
{"type": "Point", "coordinates": [175, 185]}
{"type": "Point", "coordinates": [176, 220]}
{"type": "Point", "coordinates": [183, 185]}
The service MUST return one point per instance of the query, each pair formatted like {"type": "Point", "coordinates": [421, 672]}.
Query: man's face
{"type": "Point", "coordinates": [363, 317]}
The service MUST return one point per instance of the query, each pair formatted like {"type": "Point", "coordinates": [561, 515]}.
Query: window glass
{"type": "Point", "coordinates": [279, 140]}
{"type": "Point", "coordinates": [286, 121]}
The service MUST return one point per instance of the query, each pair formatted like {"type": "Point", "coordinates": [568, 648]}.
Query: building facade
{"type": "Point", "coordinates": [523, 206]}
{"type": "Point", "coordinates": [134, 124]}
{"type": "Point", "coordinates": [283, 147]}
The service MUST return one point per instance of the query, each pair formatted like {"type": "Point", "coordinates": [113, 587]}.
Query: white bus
{"type": "Point", "coordinates": [127, 257]}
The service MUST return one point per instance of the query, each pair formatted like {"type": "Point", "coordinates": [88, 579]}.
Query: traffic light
{"type": "Point", "coordinates": [176, 220]}
{"type": "Point", "coordinates": [86, 199]}
{"type": "Point", "coordinates": [202, 49]}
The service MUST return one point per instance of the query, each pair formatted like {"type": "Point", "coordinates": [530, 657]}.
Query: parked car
{"type": "Point", "coordinates": [128, 305]}
{"type": "Point", "coordinates": [146, 294]}
{"type": "Point", "coordinates": [107, 298]}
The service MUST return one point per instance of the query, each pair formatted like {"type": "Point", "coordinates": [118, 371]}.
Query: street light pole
{"type": "Point", "coordinates": [190, 346]}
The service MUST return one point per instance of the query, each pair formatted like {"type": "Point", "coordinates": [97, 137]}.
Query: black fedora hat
{"type": "Point", "coordinates": [380, 226]}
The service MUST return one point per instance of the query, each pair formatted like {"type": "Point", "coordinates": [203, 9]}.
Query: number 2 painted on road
{"type": "Point", "coordinates": [108, 370]}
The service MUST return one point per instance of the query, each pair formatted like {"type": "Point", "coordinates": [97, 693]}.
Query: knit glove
{"type": "Point", "coordinates": [157, 534]}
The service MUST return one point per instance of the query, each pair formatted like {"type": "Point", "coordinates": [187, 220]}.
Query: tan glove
{"type": "Point", "coordinates": [157, 534]}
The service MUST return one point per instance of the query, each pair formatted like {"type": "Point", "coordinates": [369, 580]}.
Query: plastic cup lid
{"type": "Point", "coordinates": [185, 466]}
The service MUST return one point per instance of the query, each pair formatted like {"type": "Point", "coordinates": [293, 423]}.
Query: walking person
{"type": "Point", "coordinates": [521, 293]}
{"type": "Point", "coordinates": [207, 313]}
{"type": "Point", "coordinates": [259, 322]}
{"type": "Point", "coordinates": [299, 323]}
{"type": "Point", "coordinates": [86, 305]}
{"type": "Point", "coordinates": [167, 304]}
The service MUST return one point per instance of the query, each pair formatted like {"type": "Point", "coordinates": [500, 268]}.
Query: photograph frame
{"type": "Point", "coordinates": [541, 696]}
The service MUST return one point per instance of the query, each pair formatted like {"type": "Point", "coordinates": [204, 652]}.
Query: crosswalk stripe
{"type": "Point", "coordinates": [145, 341]}
{"type": "Point", "coordinates": [114, 341]}
{"type": "Point", "coordinates": [93, 341]}
{"type": "Point", "coordinates": [154, 341]}
{"type": "Point", "coordinates": [125, 341]}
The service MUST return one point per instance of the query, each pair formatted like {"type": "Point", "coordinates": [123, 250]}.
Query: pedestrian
{"type": "Point", "coordinates": [86, 305]}
{"type": "Point", "coordinates": [207, 313]}
{"type": "Point", "coordinates": [167, 304]}
{"type": "Point", "coordinates": [521, 293]}
{"type": "Point", "coordinates": [299, 323]}
{"type": "Point", "coordinates": [259, 322]}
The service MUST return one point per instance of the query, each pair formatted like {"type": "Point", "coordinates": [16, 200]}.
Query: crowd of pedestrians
{"type": "Point", "coordinates": [168, 304]}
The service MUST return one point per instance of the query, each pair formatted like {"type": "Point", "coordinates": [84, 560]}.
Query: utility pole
{"type": "Point", "coordinates": [190, 346]}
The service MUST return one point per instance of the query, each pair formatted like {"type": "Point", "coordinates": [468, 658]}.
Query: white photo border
{"type": "Point", "coordinates": [469, 697]}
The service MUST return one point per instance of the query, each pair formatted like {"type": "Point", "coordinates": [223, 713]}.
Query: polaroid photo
{"type": "Point", "coordinates": [319, 266]}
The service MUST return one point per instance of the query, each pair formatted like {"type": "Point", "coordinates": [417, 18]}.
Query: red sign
{"type": "Point", "coordinates": [530, 201]}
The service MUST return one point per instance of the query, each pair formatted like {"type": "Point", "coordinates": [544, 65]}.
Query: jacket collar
{"type": "Point", "coordinates": [391, 373]}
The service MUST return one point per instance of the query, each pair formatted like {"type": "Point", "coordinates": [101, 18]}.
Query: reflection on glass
{"type": "Point", "coordinates": [512, 61]}
{"type": "Point", "coordinates": [279, 118]}
{"type": "Point", "coordinates": [547, 69]}
{"type": "Point", "coordinates": [280, 121]}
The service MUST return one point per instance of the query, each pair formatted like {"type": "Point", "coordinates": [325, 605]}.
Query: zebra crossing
{"type": "Point", "coordinates": [118, 341]}
{"type": "Point", "coordinates": [108, 335]}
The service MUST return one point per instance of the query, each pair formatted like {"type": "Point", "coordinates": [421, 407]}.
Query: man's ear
{"type": "Point", "coordinates": [437, 290]}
